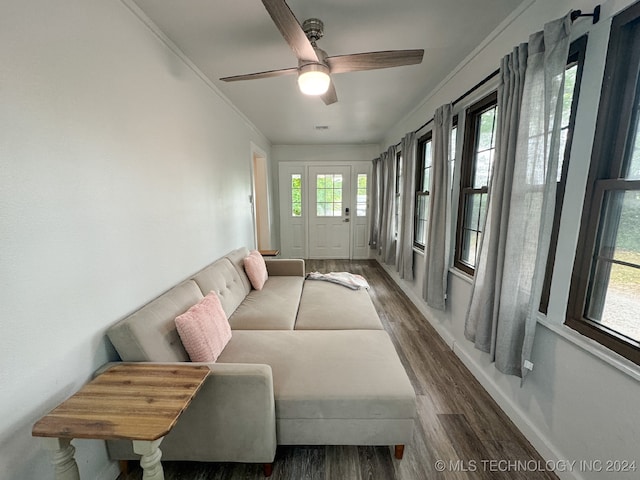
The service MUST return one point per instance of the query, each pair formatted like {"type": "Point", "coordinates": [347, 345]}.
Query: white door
{"type": "Point", "coordinates": [329, 211]}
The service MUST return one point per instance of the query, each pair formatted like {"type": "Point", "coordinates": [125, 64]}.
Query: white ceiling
{"type": "Point", "coordinates": [233, 37]}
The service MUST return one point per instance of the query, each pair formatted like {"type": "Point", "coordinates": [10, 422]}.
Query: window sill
{"type": "Point", "coordinates": [461, 275]}
{"type": "Point", "coordinates": [418, 251]}
{"type": "Point", "coordinates": [592, 347]}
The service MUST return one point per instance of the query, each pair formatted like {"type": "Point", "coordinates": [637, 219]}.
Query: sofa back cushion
{"type": "Point", "coordinates": [223, 278]}
{"type": "Point", "coordinates": [236, 258]}
{"type": "Point", "coordinates": [150, 335]}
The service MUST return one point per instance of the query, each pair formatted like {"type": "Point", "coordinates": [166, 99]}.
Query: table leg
{"type": "Point", "coordinates": [63, 460]}
{"type": "Point", "coordinates": [150, 460]}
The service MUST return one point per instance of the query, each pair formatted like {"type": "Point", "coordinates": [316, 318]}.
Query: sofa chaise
{"type": "Point", "coordinates": [308, 363]}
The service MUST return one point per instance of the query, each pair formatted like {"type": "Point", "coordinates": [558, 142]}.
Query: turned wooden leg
{"type": "Point", "coordinates": [399, 452]}
{"type": "Point", "coordinates": [268, 469]}
{"type": "Point", "coordinates": [150, 460]}
{"type": "Point", "coordinates": [63, 461]}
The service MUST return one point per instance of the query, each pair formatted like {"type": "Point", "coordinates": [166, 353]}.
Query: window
{"type": "Point", "coordinates": [361, 195]}
{"type": "Point", "coordinates": [573, 75]}
{"type": "Point", "coordinates": [452, 149]}
{"type": "Point", "coordinates": [398, 191]}
{"type": "Point", "coordinates": [296, 195]}
{"type": "Point", "coordinates": [605, 289]}
{"type": "Point", "coordinates": [477, 160]}
{"type": "Point", "coordinates": [329, 195]}
{"type": "Point", "coordinates": [423, 185]}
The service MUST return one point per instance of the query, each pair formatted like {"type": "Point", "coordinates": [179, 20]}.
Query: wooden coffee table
{"type": "Point", "coordinates": [137, 402]}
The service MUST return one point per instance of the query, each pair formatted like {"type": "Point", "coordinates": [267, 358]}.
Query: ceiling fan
{"type": "Point", "coordinates": [314, 66]}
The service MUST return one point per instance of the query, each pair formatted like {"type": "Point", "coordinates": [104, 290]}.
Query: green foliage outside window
{"type": "Point", "coordinates": [296, 195]}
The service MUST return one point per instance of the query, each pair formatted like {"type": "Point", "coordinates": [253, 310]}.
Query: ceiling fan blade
{"type": "Point", "coordinates": [330, 96]}
{"type": "Point", "coordinates": [255, 76]}
{"type": "Point", "coordinates": [291, 30]}
{"type": "Point", "coordinates": [374, 60]}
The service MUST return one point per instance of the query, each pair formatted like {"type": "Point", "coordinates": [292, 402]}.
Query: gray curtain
{"type": "Point", "coordinates": [376, 203]}
{"type": "Point", "coordinates": [513, 252]}
{"type": "Point", "coordinates": [387, 240]}
{"type": "Point", "coordinates": [437, 247]}
{"type": "Point", "coordinates": [481, 318]}
{"type": "Point", "coordinates": [404, 258]}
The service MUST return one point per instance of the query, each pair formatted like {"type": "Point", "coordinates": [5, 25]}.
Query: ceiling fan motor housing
{"type": "Point", "coordinates": [313, 29]}
{"type": "Point", "coordinates": [322, 59]}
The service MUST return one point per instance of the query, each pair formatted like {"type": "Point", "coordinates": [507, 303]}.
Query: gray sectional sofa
{"type": "Point", "coordinates": [309, 363]}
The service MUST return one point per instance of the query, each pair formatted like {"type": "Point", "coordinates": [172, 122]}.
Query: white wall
{"type": "Point", "coordinates": [120, 169]}
{"type": "Point", "coordinates": [581, 400]}
{"type": "Point", "coordinates": [325, 153]}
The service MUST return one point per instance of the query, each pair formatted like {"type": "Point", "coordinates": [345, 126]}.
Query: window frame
{"type": "Point", "coordinates": [366, 194]}
{"type": "Point", "coordinates": [293, 203]}
{"type": "Point", "coordinates": [420, 192]}
{"type": "Point", "coordinates": [577, 54]}
{"type": "Point", "coordinates": [471, 132]}
{"type": "Point", "coordinates": [397, 200]}
{"type": "Point", "coordinates": [332, 188]}
{"type": "Point", "coordinates": [613, 126]}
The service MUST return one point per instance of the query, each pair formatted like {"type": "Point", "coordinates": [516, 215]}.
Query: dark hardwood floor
{"type": "Point", "coordinates": [460, 433]}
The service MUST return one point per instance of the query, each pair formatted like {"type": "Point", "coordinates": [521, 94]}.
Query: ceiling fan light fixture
{"type": "Point", "coordinates": [313, 79]}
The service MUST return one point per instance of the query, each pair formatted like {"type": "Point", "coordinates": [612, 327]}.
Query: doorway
{"type": "Point", "coordinates": [261, 215]}
{"type": "Point", "coordinates": [329, 212]}
{"type": "Point", "coordinates": [324, 210]}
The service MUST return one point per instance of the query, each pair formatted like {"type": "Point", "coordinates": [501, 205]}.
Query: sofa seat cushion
{"type": "Point", "coordinates": [272, 308]}
{"type": "Point", "coordinates": [348, 374]}
{"type": "Point", "coordinates": [327, 306]}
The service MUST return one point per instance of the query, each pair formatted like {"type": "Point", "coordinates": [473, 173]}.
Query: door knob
{"type": "Point", "coordinates": [346, 220]}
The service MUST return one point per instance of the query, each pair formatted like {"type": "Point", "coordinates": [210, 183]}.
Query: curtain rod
{"type": "Point", "coordinates": [460, 98]}
{"type": "Point", "coordinates": [595, 14]}
{"type": "Point", "coordinates": [574, 16]}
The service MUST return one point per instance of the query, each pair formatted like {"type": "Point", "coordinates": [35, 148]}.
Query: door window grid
{"type": "Point", "coordinates": [329, 195]}
{"type": "Point", "coordinates": [361, 195]}
{"type": "Point", "coordinates": [296, 195]}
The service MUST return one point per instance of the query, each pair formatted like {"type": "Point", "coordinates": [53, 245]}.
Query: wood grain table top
{"type": "Point", "coordinates": [128, 401]}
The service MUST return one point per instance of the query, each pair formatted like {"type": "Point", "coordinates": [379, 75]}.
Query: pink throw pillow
{"type": "Point", "coordinates": [204, 329]}
{"type": "Point", "coordinates": [256, 269]}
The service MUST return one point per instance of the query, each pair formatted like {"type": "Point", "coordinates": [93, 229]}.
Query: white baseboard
{"type": "Point", "coordinates": [542, 444]}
